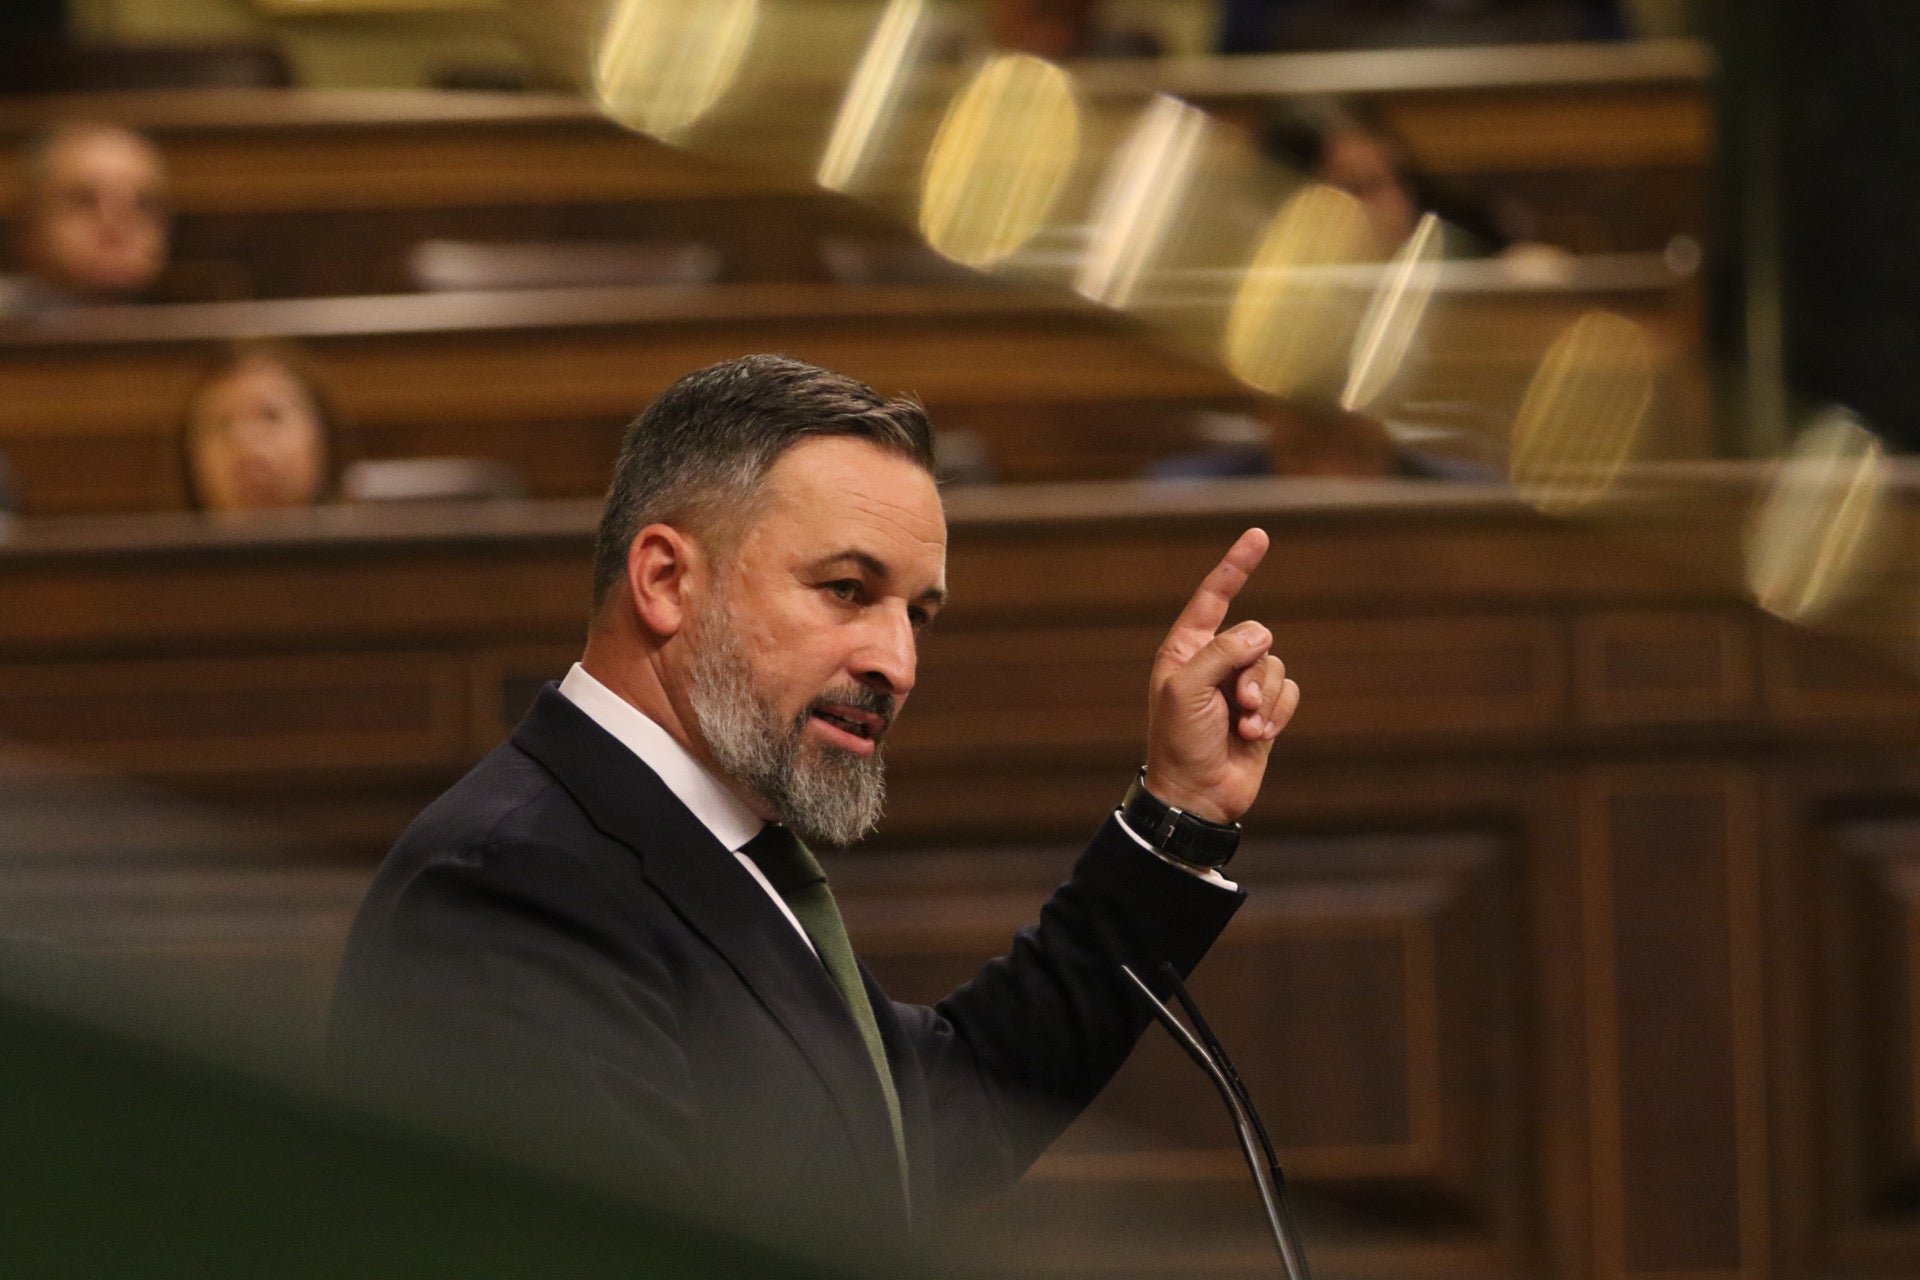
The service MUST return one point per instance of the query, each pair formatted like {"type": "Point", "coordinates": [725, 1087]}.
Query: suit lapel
{"type": "Point", "coordinates": [719, 900]}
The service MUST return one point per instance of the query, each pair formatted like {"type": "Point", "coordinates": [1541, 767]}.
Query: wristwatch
{"type": "Point", "coordinates": [1175, 832]}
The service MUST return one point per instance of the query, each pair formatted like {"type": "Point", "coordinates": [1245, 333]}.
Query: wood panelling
{"type": "Point", "coordinates": [319, 194]}
{"type": "Point", "coordinates": [1812, 678]}
{"type": "Point", "coordinates": [1860, 1038]}
{"type": "Point", "coordinates": [1635, 107]}
{"type": "Point", "coordinates": [1606, 145]}
{"type": "Point", "coordinates": [1460, 112]}
{"type": "Point", "coordinates": [288, 194]}
{"type": "Point", "coordinates": [316, 252]}
{"type": "Point", "coordinates": [1428, 675]}
{"type": "Point", "coordinates": [1639, 106]}
{"type": "Point", "coordinates": [506, 681]}
{"type": "Point", "coordinates": [545, 379]}
{"type": "Point", "coordinates": [1885, 980]}
{"type": "Point", "coordinates": [254, 151]}
{"type": "Point", "coordinates": [1651, 668]}
{"type": "Point", "coordinates": [227, 712]}
{"type": "Point", "coordinates": [1666, 128]}
{"type": "Point", "coordinates": [1382, 973]}
{"type": "Point", "coordinates": [1674, 1010]}
{"type": "Point", "coordinates": [1050, 690]}
{"type": "Point", "coordinates": [1501, 988]}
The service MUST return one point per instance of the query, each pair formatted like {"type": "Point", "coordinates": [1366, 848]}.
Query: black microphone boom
{"type": "Point", "coordinates": [1202, 1046]}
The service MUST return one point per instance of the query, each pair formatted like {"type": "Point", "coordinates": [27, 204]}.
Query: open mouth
{"type": "Point", "coordinates": [853, 728]}
{"type": "Point", "coordinates": [861, 724]}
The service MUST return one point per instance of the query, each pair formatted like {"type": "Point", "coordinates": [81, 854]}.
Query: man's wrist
{"type": "Point", "coordinates": [1175, 833]}
{"type": "Point", "coordinates": [1168, 789]}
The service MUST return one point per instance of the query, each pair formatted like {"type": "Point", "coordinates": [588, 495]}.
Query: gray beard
{"type": "Point", "coordinates": [824, 795]}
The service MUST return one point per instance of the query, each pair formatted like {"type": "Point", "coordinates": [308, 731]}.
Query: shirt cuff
{"type": "Point", "coordinates": [1208, 874]}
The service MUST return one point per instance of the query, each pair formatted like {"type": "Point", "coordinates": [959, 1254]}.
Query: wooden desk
{"type": "Point", "coordinates": [1501, 109]}
{"type": "Point", "coordinates": [546, 379]}
{"type": "Point", "coordinates": [270, 150]}
{"type": "Point", "coordinates": [1608, 144]}
{"type": "Point", "coordinates": [1505, 108]}
{"type": "Point", "coordinates": [314, 192]}
{"type": "Point", "coordinates": [322, 192]}
{"type": "Point", "coordinates": [1582, 895]}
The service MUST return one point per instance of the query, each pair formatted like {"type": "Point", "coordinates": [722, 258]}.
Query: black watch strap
{"type": "Point", "coordinates": [1175, 832]}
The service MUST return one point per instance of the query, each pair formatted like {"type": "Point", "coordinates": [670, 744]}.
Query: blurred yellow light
{"type": "Point", "coordinates": [871, 94]}
{"type": "Point", "coordinates": [1292, 321]}
{"type": "Point", "coordinates": [1393, 316]}
{"type": "Point", "coordinates": [1820, 529]}
{"type": "Point", "coordinates": [1145, 188]}
{"type": "Point", "coordinates": [662, 64]}
{"type": "Point", "coordinates": [1582, 416]}
{"type": "Point", "coordinates": [1002, 155]}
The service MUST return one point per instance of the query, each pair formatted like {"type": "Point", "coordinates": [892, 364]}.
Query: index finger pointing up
{"type": "Point", "coordinates": [1208, 608]}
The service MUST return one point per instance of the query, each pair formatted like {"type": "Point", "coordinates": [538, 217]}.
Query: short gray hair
{"type": "Point", "coordinates": [699, 453]}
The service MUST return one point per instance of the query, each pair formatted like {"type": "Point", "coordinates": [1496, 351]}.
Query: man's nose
{"type": "Point", "coordinates": [890, 658]}
{"type": "Point", "coordinates": [121, 208]}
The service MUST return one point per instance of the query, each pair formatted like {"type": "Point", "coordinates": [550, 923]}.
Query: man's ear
{"type": "Point", "coordinates": [663, 566]}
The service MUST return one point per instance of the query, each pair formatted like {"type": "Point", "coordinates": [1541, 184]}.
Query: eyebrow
{"type": "Point", "coordinates": [875, 567]}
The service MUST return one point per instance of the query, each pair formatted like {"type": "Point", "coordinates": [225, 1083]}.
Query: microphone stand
{"type": "Point", "coordinates": [1204, 1048]}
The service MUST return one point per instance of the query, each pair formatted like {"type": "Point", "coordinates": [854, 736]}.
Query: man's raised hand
{"type": "Point", "coordinates": [1216, 699]}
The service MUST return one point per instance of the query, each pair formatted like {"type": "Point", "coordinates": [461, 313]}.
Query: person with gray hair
{"type": "Point", "coordinates": [612, 938]}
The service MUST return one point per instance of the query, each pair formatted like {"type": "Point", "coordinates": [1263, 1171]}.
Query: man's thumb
{"type": "Point", "coordinates": [1223, 655]}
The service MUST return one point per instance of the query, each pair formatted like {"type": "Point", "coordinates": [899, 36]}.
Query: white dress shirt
{"type": "Point", "coordinates": [720, 811]}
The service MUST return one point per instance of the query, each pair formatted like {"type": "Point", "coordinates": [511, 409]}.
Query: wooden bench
{"type": "Point", "coordinates": [315, 193]}
{"type": "Point", "coordinates": [261, 151]}
{"type": "Point", "coordinates": [297, 193]}
{"type": "Point", "coordinates": [545, 380]}
{"type": "Point", "coordinates": [1609, 144]}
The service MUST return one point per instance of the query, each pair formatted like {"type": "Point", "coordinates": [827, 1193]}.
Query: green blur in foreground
{"type": "Point", "coordinates": [120, 1157]}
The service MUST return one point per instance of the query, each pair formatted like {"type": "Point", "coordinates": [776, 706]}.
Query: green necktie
{"type": "Point", "coordinates": [792, 870]}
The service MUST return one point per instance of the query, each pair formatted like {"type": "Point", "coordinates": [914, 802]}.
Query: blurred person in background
{"type": "Point", "coordinates": [92, 224]}
{"type": "Point", "coordinates": [258, 432]}
{"type": "Point", "coordinates": [1059, 29]}
{"type": "Point", "coordinates": [1268, 26]}
{"type": "Point", "coordinates": [1301, 440]}
{"type": "Point", "coordinates": [1352, 147]}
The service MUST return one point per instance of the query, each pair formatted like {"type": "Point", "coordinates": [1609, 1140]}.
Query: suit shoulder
{"type": "Point", "coordinates": [510, 825]}
{"type": "Point", "coordinates": [507, 799]}
{"type": "Point", "coordinates": [506, 851]}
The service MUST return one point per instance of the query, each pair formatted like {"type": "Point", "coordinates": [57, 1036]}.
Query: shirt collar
{"type": "Point", "coordinates": [722, 812]}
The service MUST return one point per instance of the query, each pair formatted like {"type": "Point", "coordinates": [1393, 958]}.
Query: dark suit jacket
{"type": "Point", "coordinates": [557, 946]}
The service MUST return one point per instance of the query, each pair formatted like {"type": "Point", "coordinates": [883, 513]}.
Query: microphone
{"type": "Point", "coordinates": [1204, 1048]}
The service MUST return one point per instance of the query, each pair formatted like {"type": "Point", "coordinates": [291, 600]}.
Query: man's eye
{"type": "Point", "coordinates": [919, 618]}
{"type": "Point", "coordinates": [845, 589]}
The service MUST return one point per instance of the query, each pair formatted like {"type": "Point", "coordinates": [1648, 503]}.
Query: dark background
{"type": "Point", "coordinates": [1849, 192]}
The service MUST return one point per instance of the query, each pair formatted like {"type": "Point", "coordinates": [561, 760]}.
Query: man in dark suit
{"type": "Point", "coordinates": [607, 938]}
